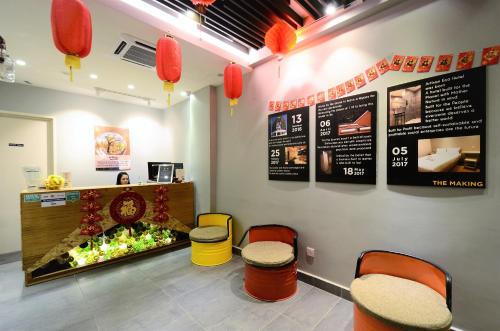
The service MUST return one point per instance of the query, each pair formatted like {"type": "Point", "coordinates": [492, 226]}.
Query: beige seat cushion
{"type": "Point", "coordinates": [405, 303]}
{"type": "Point", "coordinates": [208, 234]}
{"type": "Point", "coordinates": [267, 254]}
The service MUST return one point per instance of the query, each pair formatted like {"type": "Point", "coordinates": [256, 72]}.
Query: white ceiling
{"type": "Point", "coordinates": [25, 25]}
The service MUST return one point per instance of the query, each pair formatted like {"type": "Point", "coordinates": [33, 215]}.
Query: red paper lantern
{"type": "Point", "coordinates": [201, 5]}
{"type": "Point", "coordinates": [233, 84]}
{"type": "Point", "coordinates": [281, 38]}
{"type": "Point", "coordinates": [168, 63]}
{"type": "Point", "coordinates": [71, 31]}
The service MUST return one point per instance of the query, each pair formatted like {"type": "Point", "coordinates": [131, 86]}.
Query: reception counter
{"type": "Point", "coordinates": [75, 229]}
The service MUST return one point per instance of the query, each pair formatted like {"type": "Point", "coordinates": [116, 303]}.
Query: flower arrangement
{"type": "Point", "coordinates": [54, 182]}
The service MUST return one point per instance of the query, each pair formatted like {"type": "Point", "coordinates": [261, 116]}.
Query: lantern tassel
{"type": "Point", "coordinates": [72, 62]}
{"type": "Point", "coordinates": [169, 87]}
{"type": "Point", "coordinates": [232, 103]}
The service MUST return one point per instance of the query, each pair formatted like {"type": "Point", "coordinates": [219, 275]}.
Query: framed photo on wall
{"type": "Point", "coordinates": [165, 173]}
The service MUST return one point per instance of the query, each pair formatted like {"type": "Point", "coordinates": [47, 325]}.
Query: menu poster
{"type": "Point", "coordinates": [112, 148]}
{"type": "Point", "coordinates": [288, 145]}
{"type": "Point", "coordinates": [436, 133]}
{"type": "Point", "coordinates": [346, 139]}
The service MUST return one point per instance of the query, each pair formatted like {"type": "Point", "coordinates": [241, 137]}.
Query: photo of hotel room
{"type": "Point", "coordinates": [296, 154]}
{"type": "Point", "coordinates": [452, 154]}
{"type": "Point", "coordinates": [406, 106]}
{"type": "Point", "coordinates": [362, 124]}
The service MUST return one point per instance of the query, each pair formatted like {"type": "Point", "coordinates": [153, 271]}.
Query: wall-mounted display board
{"type": "Point", "coordinates": [346, 139]}
{"type": "Point", "coordinates": [288, 145]}
{"type": "Point", "coordinates": [436, 131]}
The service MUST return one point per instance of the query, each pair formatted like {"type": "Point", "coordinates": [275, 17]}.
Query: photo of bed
{"type": "Point", "coordinates": [406, 106]}
{"type": "Point", "coordinates": [451, 154]}
{"type": "Point", "coordinates": [362, 124]}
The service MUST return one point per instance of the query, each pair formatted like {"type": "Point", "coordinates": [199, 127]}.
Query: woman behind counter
{"type": "Point", "coordinates": [122, 178]}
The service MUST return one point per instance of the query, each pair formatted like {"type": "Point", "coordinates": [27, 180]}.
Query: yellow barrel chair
{"type": "Point", "coordinates": [212, 239]}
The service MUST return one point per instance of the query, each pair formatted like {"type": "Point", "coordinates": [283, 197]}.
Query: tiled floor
{"type": "Point", "coordinates": [161, 293]}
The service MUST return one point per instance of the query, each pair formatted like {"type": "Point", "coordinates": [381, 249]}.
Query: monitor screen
{"type": "Point", "coordinates": [153, 170]}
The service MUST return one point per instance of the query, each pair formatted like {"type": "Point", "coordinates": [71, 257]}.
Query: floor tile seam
{"type": "Point", "coordinates": [271, 321]}
{"type": "Point", "coordinates": [188, 314]}
{"type": "Point", "coordinates": [185, 293]}
{"type": "Point", "coordinates": [326, 314]}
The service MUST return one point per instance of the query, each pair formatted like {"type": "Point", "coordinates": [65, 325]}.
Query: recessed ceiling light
{"type": "Point", "coordinates": [185, 93]}
{"type": "Point", "coordinates": [131, 86]}
{"type": "Point", "coordinates": [20, 62]}
{"type": "Point", "coordinates": [93, 76]}
{"type": "Point", "coordinates": [330, 9]}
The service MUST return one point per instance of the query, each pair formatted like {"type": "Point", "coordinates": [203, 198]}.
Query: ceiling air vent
{"type": "Point", "coordinates": [137, 51]}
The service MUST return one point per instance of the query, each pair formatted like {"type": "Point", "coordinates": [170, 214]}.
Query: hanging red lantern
{"type": "Point", "coordinates": [233, 84]}
{"type": "Point", "coordinates": [71, 31]}
{"type": "Point", "coordinates": [201, 5]}
{"type": "Point", "coordinates": [281, 38]}
{"type": "Point", "coordinates": [168, 63]}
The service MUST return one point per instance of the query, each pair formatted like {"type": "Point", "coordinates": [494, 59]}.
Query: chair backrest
{"type": "Point", "coordinates": [408, 267]}
{"type": "Point", "coordinates": [218, 219]}
{"type": "Point", "coordinates": [274, 232]}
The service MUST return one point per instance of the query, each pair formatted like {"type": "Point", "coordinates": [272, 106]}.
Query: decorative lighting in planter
{"type": "Point", "coordinates": [233, 84]}
{"type": "Point", "coordinates": [280, 38]}
{"type": "Point", "coordinates": [71, 31]}
{"type": "Point", "coordinates": [201, 5]}
{"type": "Point", "coordinates": [168, 63]}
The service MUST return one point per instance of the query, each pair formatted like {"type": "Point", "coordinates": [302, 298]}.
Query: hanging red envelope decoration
{"type": "Point", "coordinates": [271, 106]}
{"type": "Point", "coordinates": [425, 63]}
{"type": "Point", "coordinates": [360, 80]}
{"type": "Point", "coordinates": [465, 60]}
{"type": "Point", "coordinates": [383, 66]}
{"type": "Point", "coordinates": [332, 94]}
{"type": "Point", "coordinates": [340, 90]}
{"type": "Point", "coordinates": [277, 106]}
{"type": "Point", "coordinates": [285, 105]}
{"type": "Point", "coordinates": [371, 73]}
{"type": "Point", "coordinates": [350, 86]}
{"type": "Point", "coordinates": [320, 97]}
{"type": "Point", "coordinates": [293, 104]}
{"type": "Point", "coordinates": [302, 102]}
{"type": "Point", "coordinates": [444, 62]}
{"type": "Point", "coordinates": [310, 100]}
{"type": "Point", "coordinates": [490, 55]}
{"type": "Point", "coordinates": [397, 62]}
{"type": "Point", "coordinates": [410, 63]}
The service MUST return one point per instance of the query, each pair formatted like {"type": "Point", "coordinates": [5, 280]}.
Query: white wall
{"type": "Point", "coordinates": [456, 228]}
{"type": "Point", "coordinates": [188, 124]}
{"type": "Point", "coordinates": [75, 117]}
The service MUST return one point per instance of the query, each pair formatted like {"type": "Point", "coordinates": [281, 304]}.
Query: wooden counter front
{"type": "Point", "coordinates": [48, 232]}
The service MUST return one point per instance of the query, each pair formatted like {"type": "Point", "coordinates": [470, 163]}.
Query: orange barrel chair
{"type": "Point", "coordinates": [212, 239]}
{"type": "Point", "coordinates": [270, 262]}
{"type": "Point", "coordinates": [393, 291]}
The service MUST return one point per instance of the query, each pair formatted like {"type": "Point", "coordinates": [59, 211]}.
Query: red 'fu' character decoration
{"type": "Point", "coordinates": [201, 5]}
{"type": "Point", "coordinates": [71, 31]}
{"type": "Point", "coordinates": [281, 38]}
{"type": "Point", "coordinates": [168, 63]}
{"type": "Point", "coordinates": [233, 84]}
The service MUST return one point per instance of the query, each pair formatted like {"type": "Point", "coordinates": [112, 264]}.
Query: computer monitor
{"type": "Point", "coordinates": [153, 170]}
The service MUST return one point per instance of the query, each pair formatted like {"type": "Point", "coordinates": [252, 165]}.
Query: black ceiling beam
{"type": "Point", "coordinates": [259, 28]}
{"type": "Point", "coordinates": [282, 9]}
{"type": "Point", "coordinates": [311, 9]}
{"type": "Point", "coordinates": [220, 19]}
{"type": "Point", "coordinates": [256, 14]}
{"type": "Point", "coordinates": [238, 39]}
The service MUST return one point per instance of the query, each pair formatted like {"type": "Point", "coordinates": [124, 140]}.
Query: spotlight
{"type": "Point", "coordinates": [131, 86]}
{"type": "Point", "coordinates": [20, 62]}
{"type": "Point", "coordinates": [330, 9]}
{"type": "Point", "coordinates": [93, 76]}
